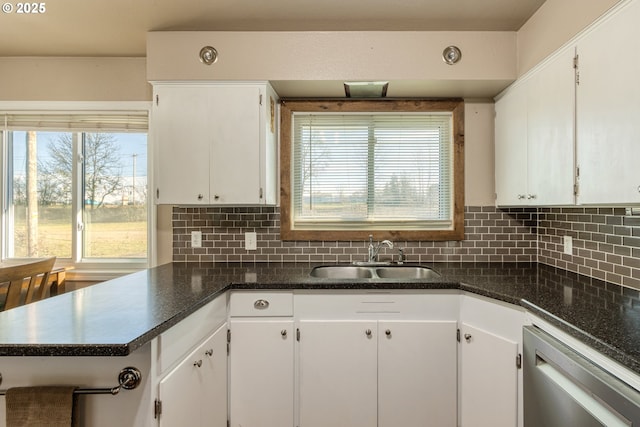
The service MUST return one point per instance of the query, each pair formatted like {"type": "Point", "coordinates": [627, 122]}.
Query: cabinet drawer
{"type": "Point", "coordinates": [429, 305]}
{"type": "Point", "coordinates": [261, 304]}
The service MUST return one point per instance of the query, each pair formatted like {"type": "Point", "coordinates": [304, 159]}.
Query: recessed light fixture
{"type": "Point", "coordinates": [208, 55]}
{"type": "Point", "coordinates": [451, 55]}
{"type": "Point", "coordinates": [366, 89]}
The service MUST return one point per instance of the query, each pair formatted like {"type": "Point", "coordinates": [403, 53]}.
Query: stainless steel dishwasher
{"type": "Point", "coordinates": [564, 389]}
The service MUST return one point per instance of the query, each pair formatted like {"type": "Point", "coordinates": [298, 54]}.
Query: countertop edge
{"type": "Point", "coordinates": [511, 290]}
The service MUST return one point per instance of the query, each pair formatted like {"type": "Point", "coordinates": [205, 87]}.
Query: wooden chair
{"type": "Point", "coordinates": [35, 274]}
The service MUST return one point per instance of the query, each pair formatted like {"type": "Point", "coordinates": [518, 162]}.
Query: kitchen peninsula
{"type": "Point", "coordinates": [139, 320]}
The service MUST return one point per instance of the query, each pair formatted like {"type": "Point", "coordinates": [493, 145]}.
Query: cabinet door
{"type": "Point", "coordinates": [488, 379]}
{"type": "Point", "coordinates": [261, 373]}
{"type": "Point", "coordinates": [511, 147]}
{"type": "Point", "coordinates": [417, 374]}
{"type": "Point", "coordinates": [180, 393]}
{"type": "Point", "coordinates": [550, 132]}
{"type": "Point", "coordinates": [236, 166]}
{"type": "Point", "coordinates": [214, 390]}
{"type": "Point", "coordinates": [607, 110]}
{"type": "Point", "coordinates": [181, 131]}
{"type": "Point", "coordinates": [338, 374]}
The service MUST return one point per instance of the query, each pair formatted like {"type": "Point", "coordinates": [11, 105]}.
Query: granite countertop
{"type": "Point", "coordinates": [116, 317]}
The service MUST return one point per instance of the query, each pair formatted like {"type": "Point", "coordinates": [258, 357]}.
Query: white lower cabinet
{"type": "Point", "coordinates": [194, 393]}
{"type": "Point", "coordinates": [261, 359]}
{"type": "Point", "coordinates": [261, 372]}
{"type": "Point", "coordinates": [490, 380]}
{"type": "Point", "coordinates": [378, 359]}
{"type": "Point", "coordinates": [377, 373]}
{"type": "Point", "coordinates": [338, 373]}
{"type": "Point", "coordinates": [417, 366]}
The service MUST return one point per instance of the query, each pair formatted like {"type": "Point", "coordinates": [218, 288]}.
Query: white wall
{"type": "Point", "coordinates": [555, 23]}
{"type": "Point", "coordinates": [479, 154]}
{"type": "Point", "coordinates": [73, 79]}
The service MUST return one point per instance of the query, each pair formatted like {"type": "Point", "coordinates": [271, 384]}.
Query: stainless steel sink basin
{"type": "Point", "coordinates": [342, 272]}
{"type": "Point", "coordinates": [373, 272]}
{"type": "Point", "coordinates": [406, 272]}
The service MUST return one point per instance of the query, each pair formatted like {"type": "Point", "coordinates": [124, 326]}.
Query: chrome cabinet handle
{"type": "Point", "coordinates": [467, 337]}
{"type": "Point", "coordinates": [368, 333]}
{"type": "Point", "coordinates": [283, 333]}
{"type": "Point", "coordinates": [209, 352]}
{"type": "Point", "coordinates": [261, 304]}
{"type": "Point", "coordinates": [198, 363]}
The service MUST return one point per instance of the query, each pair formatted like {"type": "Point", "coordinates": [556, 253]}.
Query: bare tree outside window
{"type": "Point", "coordinates": [111, 177]}
{"type": "Point", "coordinates": [102, 170]}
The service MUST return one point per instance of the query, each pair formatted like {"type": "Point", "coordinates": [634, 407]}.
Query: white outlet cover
{"type": "Point", "coordinates": [568, 245]}
{"type": "Point", "coordinates": [250, 241]}
{"type": "Point", "coordinates": [196, 239]}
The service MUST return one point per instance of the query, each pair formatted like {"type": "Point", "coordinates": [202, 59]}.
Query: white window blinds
{"type": "Point", "coordinates": [120, 121]}
{"type": "Point", "coordinates": [372, 170]}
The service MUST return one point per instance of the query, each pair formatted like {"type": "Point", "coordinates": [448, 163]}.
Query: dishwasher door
{"type": "Point", "coordinates": [563, 389]}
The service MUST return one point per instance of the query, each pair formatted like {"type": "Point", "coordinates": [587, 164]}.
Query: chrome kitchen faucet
{"type": "Point", "coordinates": [374, 249]}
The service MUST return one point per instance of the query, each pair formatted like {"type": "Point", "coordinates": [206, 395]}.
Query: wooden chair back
{"type": "Point", "coordinates": [34, 274]}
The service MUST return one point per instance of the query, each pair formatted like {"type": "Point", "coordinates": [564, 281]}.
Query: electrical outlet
{"type": "Point", "coordinates": [250, 241]}
{"type": "Point", "coordinates": [568, 245]}
{"type": "Point", "coordinates": [196, 239]}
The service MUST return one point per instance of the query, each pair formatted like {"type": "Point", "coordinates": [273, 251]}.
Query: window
{"type": "Point", "coordinates": [76, 186]}
{"type": "Point", "coordinates": [358, 167]}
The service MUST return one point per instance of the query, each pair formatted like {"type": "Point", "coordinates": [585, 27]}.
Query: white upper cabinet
{"type": "Point", "coordinates": [568, 134]}
{"type": "Point", "coordinates": [216, 143]}
{"type": "Point", "coordinates": [550, 131]}
{"type": "Point", "coordinates": [535, 138]}
{"type": "Point", "coordinates": [182, 172]}
{"type": "Point", "coordinates": [608, 119]}
{"type": "Point", "coordinates": [511, 147]}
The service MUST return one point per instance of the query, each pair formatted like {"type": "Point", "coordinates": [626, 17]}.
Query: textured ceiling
{"type": "Point", "coordinates": [119, 27]}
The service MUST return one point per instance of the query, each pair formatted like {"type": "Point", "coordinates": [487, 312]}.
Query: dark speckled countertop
{"type": "Point", "coordinates": [116, 317]}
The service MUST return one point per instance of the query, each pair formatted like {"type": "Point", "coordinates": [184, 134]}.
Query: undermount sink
{"type": "Point", "coordinates": [342, 272]}
{"type": "Point", "coordinates": [406, 272]}
{"type": "Point", "coordinates": [373, 272]}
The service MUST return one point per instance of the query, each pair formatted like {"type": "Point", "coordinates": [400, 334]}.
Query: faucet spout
{"type": "Point", "coordinates": [374, 249]}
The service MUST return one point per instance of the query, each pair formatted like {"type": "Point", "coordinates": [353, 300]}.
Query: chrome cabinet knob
{"type": "Point", "coordinates": [467, 337]}
{"type": "Point", "coordinates": [368, 333]}
{"type": "Point", "coordinates": [520, 196]}
{"type": "Point", "coordinates": [197, 363]}
{"type": "Point", "coordinates": [200, 197]}
{"type": "Point", "coordinates": [216, 197]}
{"type": "Point", "coordinates": [209, 352]}
{"type": "Point", "coordinates": [261, 304]}
{"type": "Point", "coordinates": [283, 333]}
{"type": "Point", "coordinates": [388, 332]}
{"type": "Point", "coordinates": [531, 196]}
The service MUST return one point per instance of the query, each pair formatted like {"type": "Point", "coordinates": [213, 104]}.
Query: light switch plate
{"type": "Point", "coordinates": [250, 241]}
{"type": "Point", "coordinates": [196, 239]}
{"type": "Point", "coordinates": [568, 245]}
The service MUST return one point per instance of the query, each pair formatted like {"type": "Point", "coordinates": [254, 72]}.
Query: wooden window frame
{"type": "Point", "coordinates": [288, 107]}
